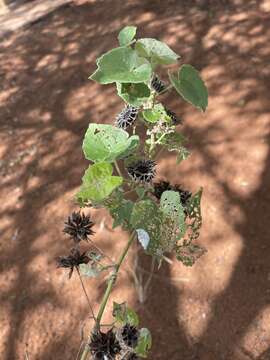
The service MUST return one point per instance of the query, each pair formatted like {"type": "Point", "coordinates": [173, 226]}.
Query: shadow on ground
{"type": "Point", "coordinates": [46, 103]}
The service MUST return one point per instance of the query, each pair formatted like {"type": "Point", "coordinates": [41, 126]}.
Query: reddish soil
{"type": "Point", "coordinates": [220, 308]}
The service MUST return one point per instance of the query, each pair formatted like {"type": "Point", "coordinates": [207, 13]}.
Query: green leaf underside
{"type": "Point", "coordinates": [125, 315]}
{"type": "Point", "coordinates": [157, 51]}
{"type": "Point", "coordinates": [157, 113]}
{"type": "Point", "coordinates": [88, 271]}
{"type": "Point", "coordinates": [133, 94]}
{"type": "Point", "coordinates": [171, 206]}
{"type": "Point", "coordinates": [144, 342]}
{"type": "Point", "coordinates": [107, 143]}
{"type": "Point", "coordinates": [122, 65]}
{"type": "Point", "coordinates": [190, 86]}
{"type": "Point", "coordinates": [98, 183]}
{"type": "Point", "coordinates": [126, 35]}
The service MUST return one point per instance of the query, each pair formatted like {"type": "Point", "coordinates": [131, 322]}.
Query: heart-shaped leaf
{"type": "Point", "coordinates": [157, 51]}
{"type": "Point", "coordinates": [122, 65]}
{"type": "Point", "coordinates": [126, 35]}
{"type": "Point", "coordinates": [190, 86]}
{"type": "Point", "coordinates": [98, 183]}
{"type": "Point", "coordinates": [107, 143]}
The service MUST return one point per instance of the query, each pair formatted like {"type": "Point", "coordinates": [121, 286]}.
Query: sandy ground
{"type": "Point", "coordinates": [219, 309]}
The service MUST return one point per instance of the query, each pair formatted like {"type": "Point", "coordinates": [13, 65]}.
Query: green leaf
{"type": "Point", "coordinates": [147, 216]}
{"type": "Point", "coordinates": [157, 51]}
{"type": "Point", "coordinates": [107, 143]}
{"type": "Point", "coordinates": [140, 191]}
{"type": "Point", "coordinates": [144, 342]}
{"type": "Point", "coordinates": [121, 214]}
{"type": "Point", "coordinates": [125, 315]}
{"type": "Point", "coordinates": [174, 141]}
{"type": "Point", "coordinates": [98, 183]}
{"type": "Point", "coordinates": [122, 65]}
{"type": "Point", "coordinates": [190, 86]}
{"type": "Point", "coordinates": [170, 205]}
{"type": "Point", "coordinates": [126, 35]}
{"type": "Point", "coordinates": [157, 113]}
{"type": "Point", "coordinates": [133, 94]}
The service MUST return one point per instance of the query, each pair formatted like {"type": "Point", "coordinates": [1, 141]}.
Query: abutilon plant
{"type": "Point", "coordinates": [163, 218]}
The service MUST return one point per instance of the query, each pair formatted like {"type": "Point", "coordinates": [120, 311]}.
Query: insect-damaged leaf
{"type": "Point", "coordinates": [107, 143]}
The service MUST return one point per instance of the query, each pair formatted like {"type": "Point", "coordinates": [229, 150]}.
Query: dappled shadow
{"type": "Point", "coordinates": [46, 103]}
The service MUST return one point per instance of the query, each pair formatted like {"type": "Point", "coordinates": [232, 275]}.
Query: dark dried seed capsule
{"type": "Point", "coordinates": [79, 226]}
{"type": "Point", "coordinates": [142, 170]}
{"type": "Point", "coordinates": [157, 84]}
{"type": "Point", "coordinates": [174, 118]}
{"type": "Point", "coordinates": [104, 345]}
{"type": "Point", "coordinates": [126, 117]}
{"type": "Point", "coordinates": [162, 186]}
{"type": "Point", "coordinates": [130, 335]}
{"type": "Point", "coordinates": [74, 259]}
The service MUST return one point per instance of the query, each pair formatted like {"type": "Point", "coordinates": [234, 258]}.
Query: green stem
{"type": "Point", "coordinates": [108, 291]}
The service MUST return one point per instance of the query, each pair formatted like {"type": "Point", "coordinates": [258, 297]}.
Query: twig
{"type": "Point", "coordinates": [26, 355]}
{"type": "Point", "coordinates": [146, 286]}
{"type": "Point", "coordinates": [79, 351]}
{"type": "Point", "coordinates": [85, 293]}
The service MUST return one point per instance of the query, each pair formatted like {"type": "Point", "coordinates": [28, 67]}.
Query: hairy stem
{"type": "Point", "coordinates": [108, 291]}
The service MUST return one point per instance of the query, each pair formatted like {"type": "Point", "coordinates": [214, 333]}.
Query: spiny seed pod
{"type": "Point", "coordinates": [162, 186]}
{"type": "Point", "coordinates": [74, 259]}
{"type": "Point", "coordinates": [79, 226]}
{"type": "Point", "coordinates": [142, 170]}
{"type": "Point", "coordinates": [130, 335]}
{"type": "Point", "coordinates": [157, 84]}
{"type": "Point", "coordinates": [104, 345]}
{"type": "Point", "coordinates": [173, 116]}
{"type": "Point", "coordinates": [126, 117]}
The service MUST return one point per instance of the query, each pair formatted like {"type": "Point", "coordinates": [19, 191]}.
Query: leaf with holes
{"type": "Point", "coordinates": [190, 86]}
{"type": "Point", "coordinates": [133, 94]}
{"type": "Point", "coordinates": [174, 141]}
{"type": "Point", "coordinates": [98, 183]}
{"type": "Point", "coordinates": [194, 215]}
{"type": "Point", "coordinates": [122, 65]}
{"type": "Point", "coordinates": [188, 254]}
{"type": "Point", "coordinates": [147, 216]}
{"type": "Point", "coordinates": [170, 205]}
{"type": "Point", "coordinates": [126, 35]}
{"type": "Point", "coordinates": [108, 143]}
{"type": "Point", "coordinates": [157, 51]}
